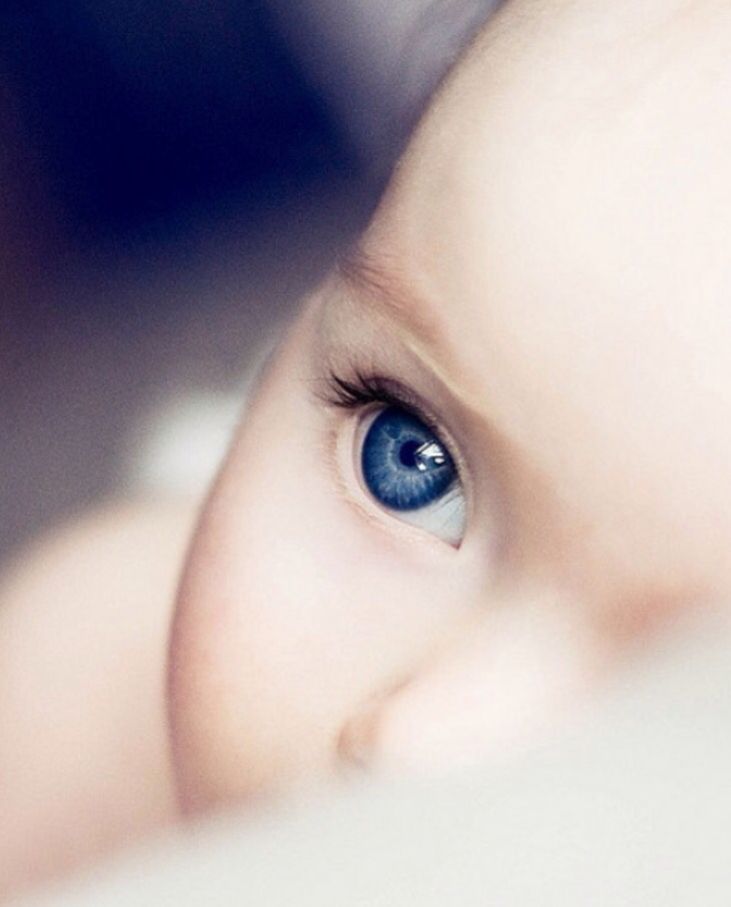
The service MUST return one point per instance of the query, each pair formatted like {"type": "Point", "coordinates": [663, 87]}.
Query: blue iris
{"type": "Point", "coordinates": [404, 465]}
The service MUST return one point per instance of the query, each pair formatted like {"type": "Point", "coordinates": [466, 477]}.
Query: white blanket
{"type": "Point", "coordinates": [631, 808]}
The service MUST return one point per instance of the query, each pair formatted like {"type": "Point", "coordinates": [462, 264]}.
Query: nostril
{"type": "Point", "coordinates": [367, 739]}
{"type": "Point", "coordinates": [358, 739]}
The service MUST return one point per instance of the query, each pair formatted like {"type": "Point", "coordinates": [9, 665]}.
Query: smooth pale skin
{"type": "Point", "coordinates": [84, 758]}
{"type": "Point", "coordinates": [549, 274]}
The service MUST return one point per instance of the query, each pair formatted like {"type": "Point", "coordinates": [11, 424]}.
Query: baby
{"type": "Point", "coordinates": [490, 456]}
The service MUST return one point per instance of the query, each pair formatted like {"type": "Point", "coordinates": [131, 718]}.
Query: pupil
{"type": "Point", "coordinates": [407, 454]}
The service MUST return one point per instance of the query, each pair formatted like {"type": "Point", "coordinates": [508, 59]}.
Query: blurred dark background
{"type": "Point", "coordinates": [173, 177]}
{"type": "Point", "coordinates": [170, 184]}
{"type": "Point", "coordinates": [146, 113]}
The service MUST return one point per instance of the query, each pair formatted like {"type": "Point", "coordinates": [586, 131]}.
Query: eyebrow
{"type": "Point", "coordinates": [387, 292]}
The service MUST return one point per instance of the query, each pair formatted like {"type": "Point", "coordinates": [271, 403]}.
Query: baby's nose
{"type": "Point", "coordinates": [506, 683]}
{"type": "Point", "coordinates": [425, 728]}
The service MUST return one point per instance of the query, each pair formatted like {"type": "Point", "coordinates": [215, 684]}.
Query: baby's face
{"type": "Point", "coordinates": [496, 444]}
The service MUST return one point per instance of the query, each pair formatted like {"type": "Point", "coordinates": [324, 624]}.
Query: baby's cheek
{"type": "Point", "coordinates": [280, 644]}
{"type": "Point", "coordinates": [297, 608]}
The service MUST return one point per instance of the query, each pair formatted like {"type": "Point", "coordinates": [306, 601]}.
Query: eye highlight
{"type": "Point", "coordinates": [404, 466]}
{"type": "Point", "coordinates": [402, 462]}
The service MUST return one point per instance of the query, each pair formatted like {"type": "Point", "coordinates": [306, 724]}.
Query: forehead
{"type": "Point", "coordinates": [554, 94]}
{"type": "Point", "coordinates": [570, 185]}
{"type": "Point", "coordinates": [556, 215]}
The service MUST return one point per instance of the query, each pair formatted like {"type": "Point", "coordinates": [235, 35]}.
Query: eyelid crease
{"type": "Point", "coordinates": [469, 401]}
{"type": "Point", "coordinates": [371, 286]}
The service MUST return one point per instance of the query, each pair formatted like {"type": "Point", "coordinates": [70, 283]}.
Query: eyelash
{"type": "Point", "coordinates": [365, 390]}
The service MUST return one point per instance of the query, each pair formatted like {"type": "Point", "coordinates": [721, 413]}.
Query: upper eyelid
{"type": "Point", "coordinates": [364, 390]}
{"type": "Point", "coordinates": [377, 388]}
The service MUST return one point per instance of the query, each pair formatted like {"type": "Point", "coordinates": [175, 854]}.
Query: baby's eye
{"type": "Point", "coordinates": [408, 471]}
